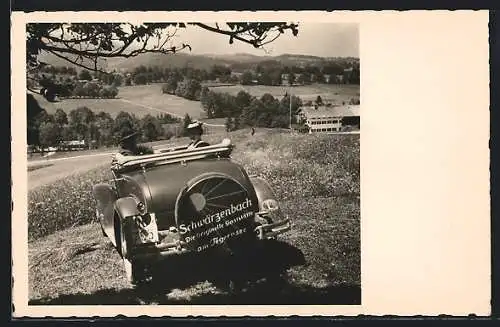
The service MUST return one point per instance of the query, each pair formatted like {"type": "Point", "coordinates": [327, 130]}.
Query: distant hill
{"type": "Point", "coordinates": [177, 60]}
{"type": "Point", "coordinates": [53, 60]}
{"type": "Point", "coordinates": [238, 61]}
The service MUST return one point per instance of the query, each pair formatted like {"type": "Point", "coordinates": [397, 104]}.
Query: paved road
{"type": "Point", "coordinates": [62, 167]}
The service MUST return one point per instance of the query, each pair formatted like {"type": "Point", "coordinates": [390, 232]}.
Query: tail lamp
{"type": "Point", "coordinates": [147, 230]}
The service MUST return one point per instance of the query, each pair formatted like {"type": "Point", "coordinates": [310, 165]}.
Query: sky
{"type": "Point", "coordinates": [321, 39]}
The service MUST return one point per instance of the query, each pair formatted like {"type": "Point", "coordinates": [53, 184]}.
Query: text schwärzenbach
{"type": "Point", "coordinates": [215, 224]}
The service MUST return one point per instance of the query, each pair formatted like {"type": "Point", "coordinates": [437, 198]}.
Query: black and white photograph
{"type": "Point", "coordinates": [193, 163]}
{"type": "Point", "coordinates": [213, 164]}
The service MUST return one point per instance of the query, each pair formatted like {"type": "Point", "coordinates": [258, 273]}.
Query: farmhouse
{"type": "Point", "coordinates": [331, 119]}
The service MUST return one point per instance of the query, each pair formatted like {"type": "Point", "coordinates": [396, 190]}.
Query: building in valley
{"type": "Point", "coordinates": [331, 119]}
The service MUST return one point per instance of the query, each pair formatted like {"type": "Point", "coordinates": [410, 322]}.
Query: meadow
{"type": "Point", "coordinates": [316, 178]}
{"type": "Point", "coordinates": [328, 92]}
{"type": "Point", "coordinates": [149, 99]}
{"type": "Point", "coordinates": [139, 100]}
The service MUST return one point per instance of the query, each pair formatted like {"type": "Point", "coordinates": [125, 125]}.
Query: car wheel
{"type": "Point", "coordinates": [137, 273]}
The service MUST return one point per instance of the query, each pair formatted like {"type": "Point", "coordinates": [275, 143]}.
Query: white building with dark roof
{"type": "Point", "coordinates": [331, 119]}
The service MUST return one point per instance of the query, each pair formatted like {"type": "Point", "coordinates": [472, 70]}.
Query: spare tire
{"type": "Point", "coordinates": [215, 210]}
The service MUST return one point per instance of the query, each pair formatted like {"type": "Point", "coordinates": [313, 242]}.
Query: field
{"type": "Point", "coordinates": [140, 100]}
{"type": "Point", "coordinates": [149, 99]}
{"type": "Point", "coordinates": [328, 93]}
{"type": "Point", "coordinates": [316, 177]}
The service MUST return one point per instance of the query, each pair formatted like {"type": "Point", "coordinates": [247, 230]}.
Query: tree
{"type": "Point", "coordinates": [249, 115]}
{"type": "Point", "coordinates": [151, 128]}
{"type": "Point", "coordinates": [50, 134]}
{"type": "Point", "coordinates": [79, 90]}
{"type": "Point", "coordinates": [204, 96]}
{"type": "Point", "coordinates": [167, 119]}
{"type": "Point", "coordinates": [218, 71]}
{"type": "Point", "coordinates": [319, 101]}
{"type": "Point", "coordinates": [265, 78]}
{"type": "Point", "coordinates": [209, 103]}
{"type": "Point", "coordinates": [124, 121]}
{"type": "Point", "coordinates": [33, 110]}
{"type": "Point", "coordinates": [104, 123]}
{"type": "Point", "coordinates": [171, 84]}
{"type": "Point", "coordinates": [81, 120]}
{"type": "Point", "coordinates": [68, 134]}
{"type": "Point", "coordinates": [44, 117]}
{"type": "Point", "coordinates": [92, 89]}
{"type": "Point", "coordinates": [104, 93]}
{"type": "Point", "coordinates": [243, 99]}
{"type": "Point", "coordinates": [189, 89]}
{"type": "Point", "coordinates": [113, 91]}
{"type": "Point", "coordinates": [85, 75]}
{"type": "Point", "coordinates": [304, 78]}
{"type": "Point", "coordinates": [246, 78]}
{"type": "Point", "coordinates": [140, 79]}
{"type": "Point", "coordinates": [319, 78]}
{"type": "Point", "coordinates": [229, 124]}
{"type": "Point", "coordinates": [60, 118]}
{"type": "Point", "coordinates": [236, 123]}
{"type": "Point", "coordinates": [117, 80]}
{"type": "Point", "coordinates": [291, 78]}
{"type": "Point", "coordinates": [275, 76]}
{"type": "Point", "coordinates": [285, 107]}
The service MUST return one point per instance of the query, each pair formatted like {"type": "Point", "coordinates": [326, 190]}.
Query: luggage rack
{"type": "Point", "coordinates": [222, 149]}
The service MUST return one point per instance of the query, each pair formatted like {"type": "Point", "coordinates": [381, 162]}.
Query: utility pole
{"type": "Point", "coordinates": [290, 111]}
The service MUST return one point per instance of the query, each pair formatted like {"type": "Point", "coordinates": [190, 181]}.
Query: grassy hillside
{"type": "Point", "coordinates": [177, 60]}
{"type": "Point", "coordinates": [139, 100]}
{"type": "Point", "coordinates": [316, 178]}
{"type": "Point", "coordinates": [328, 92]}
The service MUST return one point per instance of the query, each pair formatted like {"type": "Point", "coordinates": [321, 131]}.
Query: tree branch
{"type": "Point", "coordinates": [229, 33]}
{"type": "Point", "coordinates": [89, 42]}
{"type": "Point", "coordinates": [76, 63]}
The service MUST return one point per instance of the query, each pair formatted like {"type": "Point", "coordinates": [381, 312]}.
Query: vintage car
{"type": "Point", "coordinates": [179, 201]}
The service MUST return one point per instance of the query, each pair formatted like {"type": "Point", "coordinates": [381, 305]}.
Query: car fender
{"type": "Point", "coordinates": [105, 198]}
{"type": "Point", "coordinates": [264, 193]}
{"type": "Point", "coordinates": [103, 193]}
{"type": "Point", "coordinates": [126, 207]}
